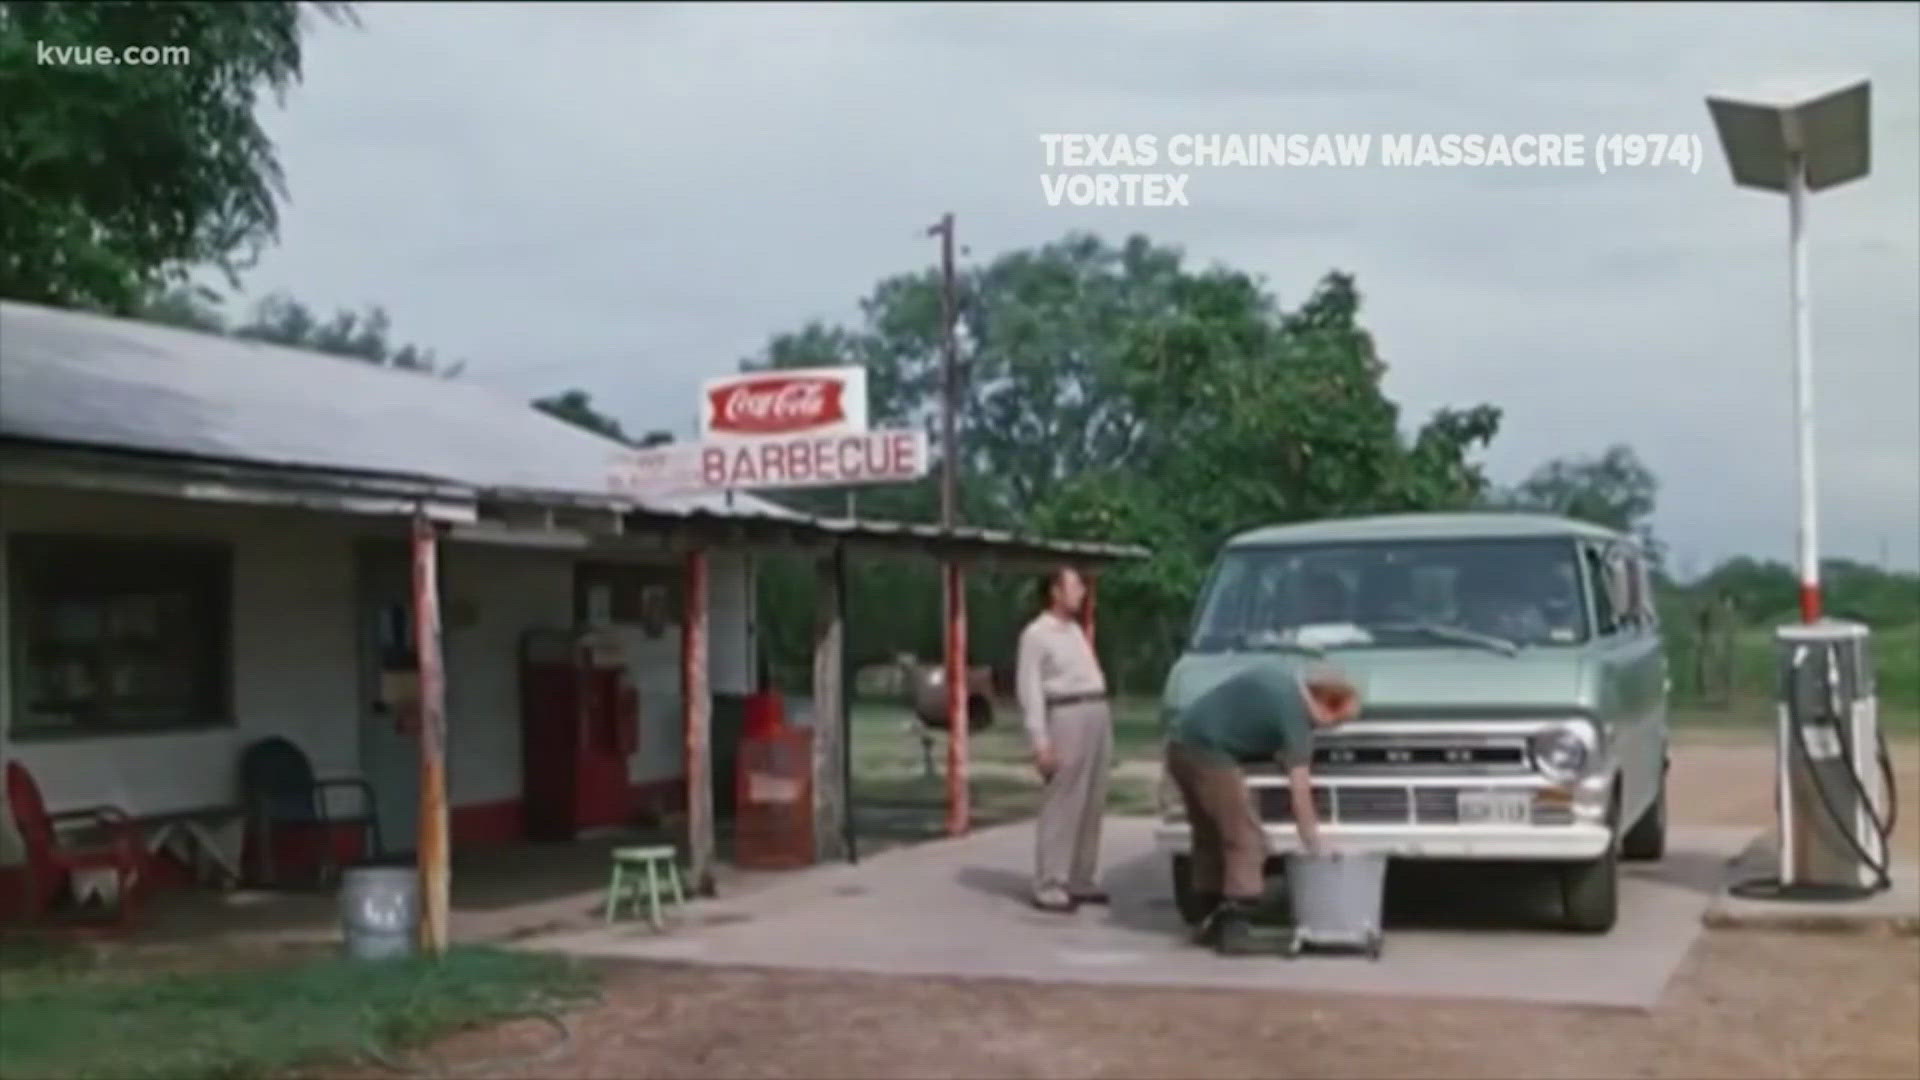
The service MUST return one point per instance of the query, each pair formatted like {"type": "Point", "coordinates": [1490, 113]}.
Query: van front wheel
{"type": "Point", "coordinates": [1647, 840]}
{"type": "Point", "coordinates": [1590, 891]}
{"type": "Point", "coordinates": [1590, 894]}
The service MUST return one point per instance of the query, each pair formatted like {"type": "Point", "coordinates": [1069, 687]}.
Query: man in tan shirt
{"type": "Point", "coordinates": [1063, 699]}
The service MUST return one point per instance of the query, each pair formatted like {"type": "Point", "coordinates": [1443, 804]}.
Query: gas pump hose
{"type": "Point", "coordinates": [1774, 889]}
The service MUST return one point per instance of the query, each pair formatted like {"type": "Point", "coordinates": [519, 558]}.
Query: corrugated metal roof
{"type": "Point", "coordinates": [79, 378]}
{"type": "Point", "coordinates": [84, 380]}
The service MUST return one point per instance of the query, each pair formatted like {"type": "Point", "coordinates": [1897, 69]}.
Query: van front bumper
{"type": "Point", "coordinates": [1420, 818]}
{"type": "Point", "coordinates": [1578, 842]}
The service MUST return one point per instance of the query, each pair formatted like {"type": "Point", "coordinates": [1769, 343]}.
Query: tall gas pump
{"type": "Point", "coordinates": [1834, 789]}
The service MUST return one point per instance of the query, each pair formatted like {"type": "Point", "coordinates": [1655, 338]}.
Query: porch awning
{"type": "Point", "coordinates": [745, 525]}
{"type": "Point", "coordinates": [526, 512]}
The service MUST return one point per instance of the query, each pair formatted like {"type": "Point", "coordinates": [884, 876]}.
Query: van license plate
{"type": "Point", "coordinates": [1495, 807]}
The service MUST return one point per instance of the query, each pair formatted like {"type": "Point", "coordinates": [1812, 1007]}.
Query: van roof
{"type": "Point", "coordinates": [1489, 525]}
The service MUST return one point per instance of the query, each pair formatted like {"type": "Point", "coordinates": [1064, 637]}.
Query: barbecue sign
{"type": "Point", "coordinates": [778, 429]}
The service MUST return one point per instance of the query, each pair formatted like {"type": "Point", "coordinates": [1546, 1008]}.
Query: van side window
{"type": "Point", "coordinates": [1627, 571]}
{"type": "Point", "coordinates": [1606, 594]}
{"type": "Point", "coordinates": [1650, 610]}
{"type": "Point", "coordinates": [1639, 581]}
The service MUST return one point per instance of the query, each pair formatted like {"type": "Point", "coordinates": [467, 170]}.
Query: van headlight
{"type": "Point", "coordinates": [1562, 752]}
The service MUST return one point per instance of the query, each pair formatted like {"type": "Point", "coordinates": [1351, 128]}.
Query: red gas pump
{"type": "Point", "coordinates": [580, 724]}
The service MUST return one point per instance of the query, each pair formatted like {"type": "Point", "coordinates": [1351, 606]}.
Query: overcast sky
{"type": "Point", "coordinates": [629, 199]}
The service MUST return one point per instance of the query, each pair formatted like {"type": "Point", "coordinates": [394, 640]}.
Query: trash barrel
{"type": "Point", "coordinates": [1337, 899]}
{"type": "Point", "coordinates": [773, 802]}
{"type": "Point", "coordinates": [379, 910]}
{"type": "Point", "coordinates": [765, 715]}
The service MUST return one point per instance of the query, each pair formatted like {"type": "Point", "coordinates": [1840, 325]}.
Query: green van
{"type": "Point", "coordinates": [1514, 691]}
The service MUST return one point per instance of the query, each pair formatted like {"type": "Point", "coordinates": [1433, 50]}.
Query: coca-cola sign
{"type": "Point", "coordinates": [812, 401]}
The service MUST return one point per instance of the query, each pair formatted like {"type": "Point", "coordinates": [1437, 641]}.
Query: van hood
{"type": "Point", "coordinates": [1426, 683]}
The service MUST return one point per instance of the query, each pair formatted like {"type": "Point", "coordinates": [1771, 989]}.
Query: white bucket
{"type": "Point", "coordinates": [379, 910]}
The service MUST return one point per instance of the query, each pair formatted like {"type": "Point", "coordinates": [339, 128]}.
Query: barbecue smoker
{"type": "Point", "coordinates": [925, 688]}
{"type": "Point", "coordinates": [1834, 789]}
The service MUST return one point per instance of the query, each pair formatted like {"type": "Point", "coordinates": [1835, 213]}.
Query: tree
{"type": "Point", "coordinates": [282, 320]}
{"type": "Point", "coordinates": [118, 179]}
{"type": "Point", "coordinates": [1616, 490]}
{"type": "Point", "coordinates": [576, 407]}
{"type": "Point", "coordinates": [1041, 332]}
{"type": "Point", "coordinates": [1115, 393]}
{"type": "Point", "coordinates": [1249, 417]}
{"type": "Point", "coordinates": [185, 306]}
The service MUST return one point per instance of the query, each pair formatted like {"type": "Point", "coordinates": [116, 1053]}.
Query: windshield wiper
{"type": "Point", "coordinates": [1458, 634]}
{"type": "Point", "coordinates": [1277, 641]}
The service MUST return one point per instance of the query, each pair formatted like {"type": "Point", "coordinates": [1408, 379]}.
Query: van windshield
{"type": "Point", "coordinates": [1399, 594]}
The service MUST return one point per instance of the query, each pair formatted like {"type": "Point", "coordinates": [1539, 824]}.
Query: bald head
{"type": "Point", "coordinates": [1332, 695]}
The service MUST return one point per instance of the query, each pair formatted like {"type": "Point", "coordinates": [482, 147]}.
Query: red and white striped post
{"type": "Point", "coordinates": [1796, 138]}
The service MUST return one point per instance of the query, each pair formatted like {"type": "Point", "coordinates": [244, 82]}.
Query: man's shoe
{"type": "Point", "coordinates": [1203, 931]}
{"type": "Point", "coordinates": [1233, 933]}
{"type": "Point", "coordinates": [1095, 897]}
{"type": "Point", "coordinates": [1054, 901]}
{"type": "Point", "coordinates": [1207, 933]}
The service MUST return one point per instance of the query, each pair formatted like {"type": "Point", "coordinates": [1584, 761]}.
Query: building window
{"type": "Point", "coordinates": [116, 636]}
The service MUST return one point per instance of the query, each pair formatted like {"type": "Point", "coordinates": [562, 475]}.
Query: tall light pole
{"type": "Point", "coordinates": [1798, 145]}
{"type": "Point", "coordinates": [959, 813]}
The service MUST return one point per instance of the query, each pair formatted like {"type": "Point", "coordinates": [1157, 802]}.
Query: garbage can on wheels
{"type": "Point", "coordinates": [1337, 901]}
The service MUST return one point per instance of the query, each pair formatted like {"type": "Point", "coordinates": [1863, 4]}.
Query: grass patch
{"type": "Point", "coordinates": [1756, 667]}
{"type": "Point", "coordinates": [896, 800]}
{"type": "Point", "coordinates": [1759, 714]}
{"type": "Point", "coordinates": [995, 797]}
{"type": "Point", "coordinates": [884, 741]}
{"type": "Point", "coordinates": [66, 1018]}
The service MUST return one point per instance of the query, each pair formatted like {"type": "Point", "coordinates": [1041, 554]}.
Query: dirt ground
{"type": "Point", "coordinates": [1746, 1003]}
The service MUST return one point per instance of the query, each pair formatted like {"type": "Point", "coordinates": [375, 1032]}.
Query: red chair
{"type": "Point", "coordinates": [50, 865]}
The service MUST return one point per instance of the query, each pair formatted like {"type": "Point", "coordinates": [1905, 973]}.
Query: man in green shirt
{"type": "Point", "coordinates": [1268, 710]}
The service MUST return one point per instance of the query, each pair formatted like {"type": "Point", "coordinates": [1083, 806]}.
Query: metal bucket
{"type": "Point", "coordinates": [1337, 899]}
{"type": "Point", "coordinates": [379, 910]}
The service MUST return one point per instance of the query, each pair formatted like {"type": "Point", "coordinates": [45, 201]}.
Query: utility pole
{"type": "Point", "coordinates": [949, 371]}
{"type": "Point", "coordinates": [959, 814]}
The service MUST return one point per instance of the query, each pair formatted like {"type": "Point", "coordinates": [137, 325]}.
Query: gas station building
{"type": "Point", "coordinates": [209, 542]}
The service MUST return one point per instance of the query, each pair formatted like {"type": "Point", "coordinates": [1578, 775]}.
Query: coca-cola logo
{"type": "Point", "coordinates": [778, 405]}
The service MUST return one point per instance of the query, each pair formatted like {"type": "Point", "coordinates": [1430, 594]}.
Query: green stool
{"type": "Point", "coordinates": [651, 874]}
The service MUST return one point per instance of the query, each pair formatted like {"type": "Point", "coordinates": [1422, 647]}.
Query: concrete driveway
{"type": "Point", "coordinates": [957, 908]}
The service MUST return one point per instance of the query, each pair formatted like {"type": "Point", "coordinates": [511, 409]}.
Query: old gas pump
{"type": "Point", "coordinates": [1834, 784]}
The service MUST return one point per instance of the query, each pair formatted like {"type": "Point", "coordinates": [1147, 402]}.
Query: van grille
{"type": "Point", "coordinates": [1370, 805]}
{"type": "Point", "coordinates": [1375, 805]}
{"type": "Point", "coordinates": [1436, 806]}
{"type": "Point", "coordinates": [1434, 756]}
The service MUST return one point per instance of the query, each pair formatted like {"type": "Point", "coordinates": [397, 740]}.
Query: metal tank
{"type": "Point", "coordinates": [927, 694]}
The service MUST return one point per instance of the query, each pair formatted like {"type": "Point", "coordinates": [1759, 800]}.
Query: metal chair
{"type": "Point", "coordinates": [280, 792]}
{"type": "Point", "coordinates": [51, 864]}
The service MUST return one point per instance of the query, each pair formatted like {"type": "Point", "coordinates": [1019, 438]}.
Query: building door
{"type": "Point", "coordinates": [389, 746]}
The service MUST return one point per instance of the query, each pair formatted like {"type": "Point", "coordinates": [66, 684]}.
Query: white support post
{"type": "Point", "coordinates": [1809, 531]}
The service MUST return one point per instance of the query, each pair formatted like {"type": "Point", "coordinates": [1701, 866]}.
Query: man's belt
{"type": "Point", "coordinates": [1065, 700]}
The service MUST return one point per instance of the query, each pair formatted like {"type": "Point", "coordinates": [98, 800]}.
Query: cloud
{"type": "Point", "coordinates": [628, 198]}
